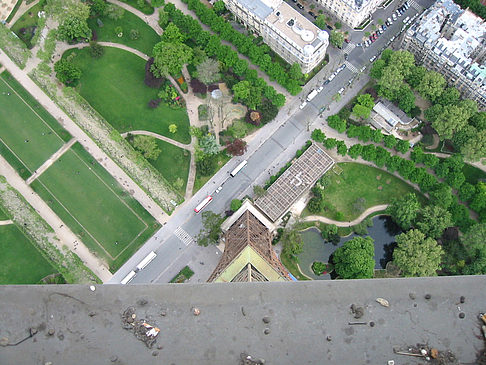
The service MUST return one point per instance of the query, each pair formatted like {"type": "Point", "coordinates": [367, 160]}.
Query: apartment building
{"type": "Point", "coordinates": [351, 12]}
{"type": "Point", "coordinates": [452, 41]}
{"type": "Point", "coordinates": [287, 32]}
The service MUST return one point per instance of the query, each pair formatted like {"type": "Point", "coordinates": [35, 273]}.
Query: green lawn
{"type": "Point", "coordinates": [114, 86]}
{"type": "Point", "coordinates": [360, 181]}
{"type": "Point", "coordinates": [107, 219]}
{"type": "Point", "coordinates": [27, 22]}
{"type": "Point", "coordinates": [20, 261]}
{"type": "Point", "coordinates": [14, 10]}
{"type": "Point", "coordinates": [29, 135]}
{"type": "Point", "coordinates": [146, 41]}
{"type": "Point", "coordinates": [3, 216]}
{"type": "Point", "coordinates": [146, 8]}
{"type": "Point", "coordinates": [173, 163]}
{"type": "Point", "coordinates": [473, 174]}
{"type": "Point", "coordinates": [201, 180]}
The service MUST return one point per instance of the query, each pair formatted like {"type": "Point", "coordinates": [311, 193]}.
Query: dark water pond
{"type": "Point", "coordinates": [316, 248]}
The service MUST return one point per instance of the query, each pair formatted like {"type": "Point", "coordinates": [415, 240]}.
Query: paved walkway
{"type": "Point", "coordinates": [188, 147]}
{"type": "Point", "coordinates": [66, 236]}
{"type": "Point", "coordinates": [6, 222]}
{"type": "Point", "coordinates": [55, 156]}
{"type": "Point", "coordinates": [152, 20]}
{"type": "Point", "coordinates": [366, 213]}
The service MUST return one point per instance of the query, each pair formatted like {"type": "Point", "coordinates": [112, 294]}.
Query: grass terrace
{"type": "Point", "coordinates": [147, 36]}
{"type": "Point", "coordinates": [20, 261]}
{"type": "Point", "coordinates": [92, 203]}
{"type": "Point", "coordinates": [26, 25]}
{"type": "Point", "coordinates": [114, 86]}
{"type": "Point", "coordinates": [359, 181]}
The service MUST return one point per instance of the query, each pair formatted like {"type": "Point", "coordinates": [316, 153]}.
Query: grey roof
{"type": "Point", "coordinates": [257, 7]}
{"type": "Point", "coordinates": [88, 328]}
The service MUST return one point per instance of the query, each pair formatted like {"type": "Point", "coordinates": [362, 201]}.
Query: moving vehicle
{"type": "Point", "coordinates": [203, 204]}
{"type": "Point", "coordinates": [147, 260]}
{"type": "Point", "coordinates": [238, 168]}
{"type": "Point", "coordinates": [341, 90]}
{"type": "Point", "coordinates": [311, 95]}
{"type": "Point", "coordinates": [128, 278]}
{"type": "Point", "coordinates": [405, 21]}
{"type": "Point", "coordinates": [300, 6]}
{"type": "Point", "coordinates": [326, 82]}
{"type": "Point", "coordinates": [302, 106]}
{"type": "Point", "coordinates": [319, 89]}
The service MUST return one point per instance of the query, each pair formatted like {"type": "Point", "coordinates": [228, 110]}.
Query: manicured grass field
{"type": "Point", "coordinates": [20, 261]}
{"type": "Point", "coordinates": [173, 163]}
{"type": "Point", "coordinates": [28, 21]}
{"type": "Point", "coordinates": [3, 216]}
{"type": "Point", "coordinates": [29, 135]}
{"type": "Point", "coordinates": [107, 219]}
{"type": "Point", "coordinates": [114, 86]}
{"type": "Point", "coordinates": [146, 41]}
{"type": "Point", "coordinates": [360, 181]}
{"type": "Point", "coordinates": [201, 180]}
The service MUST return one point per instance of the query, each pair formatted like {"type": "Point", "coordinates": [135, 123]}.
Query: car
{"type": "Point", "coordinates": [346, 56]}
{"type": "Point", "coordinates": [394, 16]}
{"type": "Point", "coordinates": [295, 1]}
{"type": "Point", "coordinates": [359, 44]}
{"type": "Point", "coordinates": [300, 6]}
{"type": "Point", "coordinates": [392, 38]}
{"type": "Point", "coordinates": [387, 23]}
{"type": "Point", "coordinates": [390, 21]}
{"type": "Point", "coordinates": [380, 31]}
{"type": "Point", "coordinates": [219, 189]}
{"type": "Point", "coordinates": [367, 43]}
{"type": "Point", "coordinates": [405, 21]}
{"type": "Point", "coordinates": [384, 27]}
{"type": "Point", "coordinates": [329, 27]}
{"type": "Point", "coordinates": [302, 106]}
{"type": "Point", "coordinates": [341, 90]}
{"type": "Point", "coordinates": [319, 89]}
{"type": "Point", "coordinates": [351, 80]}
{"type": "Point", "coordinates": [342, 67]}
{"type": "Point", "coordinates": [311, 14]}
{"type": "Point", "coordinates": [326, 82]}
{"type": "Point", "coordinates": [346, 40]}
{"type": "Point", "coordinates": [373, 58]}
{"type": "Point", "coordinates": [362, 69]}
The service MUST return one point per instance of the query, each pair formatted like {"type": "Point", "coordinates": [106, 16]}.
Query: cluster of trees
{"type": "Point", "coordinates": [72, 16]}
{"type": "Point", "coordinates": [206, 153]}
{"type": "Point", "coordinates": [336, 38]}
{"type": "Point", "coordinates": [67, 72]}
{"type": "Point", "coordinates": [355, 259]}
{"type": "Point", "coordinates": [474, 5]}
{"type": "Point", "coordinates": [254, 91]}
{"type": "Point", "coordinates": [209, 234]}
{"type": "Point", "coordinates": [452, 118]}
{"type": "Point", "coordinates": [363, 106]}
{"type": "Point", "coordinates": [259, 55]}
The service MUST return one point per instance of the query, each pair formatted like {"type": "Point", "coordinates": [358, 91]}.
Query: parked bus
{"type": "Point", "coordinates": [129, 277]}
{"type": "Point", "coordinates": [147, 260]}
{"type": "Point", "coordinates": [203, 204]}
{"type": "Point", "coordinates": [238, 168]}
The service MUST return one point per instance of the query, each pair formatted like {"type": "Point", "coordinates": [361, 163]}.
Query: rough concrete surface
{"type": "Point", "coordinates": [282, 323]}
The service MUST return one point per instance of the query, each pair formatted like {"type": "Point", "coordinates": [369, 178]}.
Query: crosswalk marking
{"type": "Point", "coordinates": [351, 66]}
{"type": "Point", "coordinates": [183, 236]}
{"type": "Point", "coordinates": [349, 48]}
{"type": "Point", "coordinates": [414, 5]}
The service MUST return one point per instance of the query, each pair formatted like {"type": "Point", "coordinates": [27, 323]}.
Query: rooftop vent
{"type": "Point", "coordinates": [277, 13]}
{"type": "Point", "coordinates": [291, 22]}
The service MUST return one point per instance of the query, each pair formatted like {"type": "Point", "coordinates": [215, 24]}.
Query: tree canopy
{"type": "Point", "coordinates": [404, 210]}
{"type": "Point", "coordinates": [355, 259]}
{"type": "Point", "coordinates": [169, 58]}
{"type": "Point", "coordinates": [432, 221]}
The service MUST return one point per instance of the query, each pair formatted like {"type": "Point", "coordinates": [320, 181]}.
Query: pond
{"type": "Point", "coordinates": [316, 248]}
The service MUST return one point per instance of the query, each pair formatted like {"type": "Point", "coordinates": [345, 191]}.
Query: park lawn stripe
{"type": "Point", "coordinates": [20, 261]}
{"type": "Point", "coordinates": [14, 161]}
{"type": "Point", "coordinates": [93, 205]}
{"type": "Point", "coordinates": [114, 86]}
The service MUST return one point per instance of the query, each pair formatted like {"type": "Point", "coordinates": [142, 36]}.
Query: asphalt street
{"type": "Point", "coordinates": [272, 146]}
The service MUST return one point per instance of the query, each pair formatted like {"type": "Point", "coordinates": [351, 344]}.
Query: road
{"type": "Point", "coordinates": [272, 146]}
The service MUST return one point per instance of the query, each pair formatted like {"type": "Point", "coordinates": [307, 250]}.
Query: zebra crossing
{"type": "Point", "coordinates": [351, 67]}
{"type": "Point", "coordinates": [349, 48]}
{"type": "Point", "coordinates": [183, 236]}
{"type": "Point", "coordinates": [414, 5]}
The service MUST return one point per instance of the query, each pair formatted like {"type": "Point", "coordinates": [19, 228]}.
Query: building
{"type": "Point", "coordinates": [248, 254]}
{"type": "Point", "coordinates": [351, 12]}
{"type": "Point", "coordinates": [287, 32]}
{"type": "Point", "coordinates": [452, 41]}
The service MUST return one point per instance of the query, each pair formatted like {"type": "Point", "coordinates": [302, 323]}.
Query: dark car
{"type": "Point", "coordinates": [312, 14]}
{"type": "Point", "coordinates": [294, 1]}
{"type": "Point", "coordinates": [300, 6]}
{"type": "Point", "coordinates": [329, 27]}
{"type": "Point", "coordinates": [346, 40]}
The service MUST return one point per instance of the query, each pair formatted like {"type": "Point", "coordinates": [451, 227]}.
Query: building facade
{"type": "Point", "coordinates": [351, 12]}
{"type": "Point", "coordinates": [451, 41]}
{"type": "Point", "coordinates": [287, 32]}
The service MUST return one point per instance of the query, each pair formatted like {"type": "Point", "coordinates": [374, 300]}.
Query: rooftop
{"type": "Point", "coordinates": [280, 322]}
{"type": "Point", "coordinates": [298, 178]}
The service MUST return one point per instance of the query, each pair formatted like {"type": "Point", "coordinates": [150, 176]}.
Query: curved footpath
{"type": "Point", "coordinates": [366, 213]}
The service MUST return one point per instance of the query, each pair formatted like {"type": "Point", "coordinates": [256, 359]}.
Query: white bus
{"type": "Point", "coordinates": [147, 260]}
{"type": "Point", "coordinates": [203, 204]}
{"type": "Point", "coordinates": [129, 277]}
{"type": "Point", "coordinates": [238, 168]}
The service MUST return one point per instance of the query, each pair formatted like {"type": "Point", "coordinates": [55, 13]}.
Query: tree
{"type": "Point", "coordinates": [478, 202]}
{"type": "Point", "coordinates": [474, 244]}
{"type": "Point", "coordinates": [355, 259]}
{"type": "Point", "coordinates": [361, 111]}
{"type": "Point", "coordinates": [147, 146]}
{"type": "Point", "coordinates": [478, 120]}
{"type": "Point", "coordinates": [172, 34]}
{"type": "Point", "coordinates": [292, 243]}
{"type": "Point", "coordinates": [406, 100]}
{"type": "Point", "coordinates": [449, 96]}
{"type": "Point", "coordinates": [219, 7]}
{"type": "Point", "coordinates": [67, 72]}
{"type": "Point", "coordinates": [241, 90]}
{"type": "Point", "coordinates": [157, 3]}
{"type": "Point", "coordinates": [208, 144]}
{"type": "Point", "coordinates": [467, 191]}
{"type": "Point", "coordinates": [295, 72]}
{"type": "Point", "coordinates": [391, 81]}
{"type": "Point", "coordinates": [173, 128]}
{"type": "Point", "coordinates": [463, 136]}
{"type": "Point", "coordinates": [450, 119]}
{"type": "Point", "coordinates": [163, 18]}
{"type": "Point", "coordinates": [258, 191]}
{"type": "Point", "coordinates": [390, 141]}
{"type": "Point", "coordinates": [114, 12]}
{"type": "Point", "coordinates": [237, 147]}
{"type": "Point", "coordinates": [404, 210]}
{"type": "Point", "coordinates": [336, 39]}
{"type": "Point", "coordinates": [318, 135]}
{"type": "Point", "coordinates": [441, 195]}
{"type": "Point", "coordinates": [169, 58]}
{"type": "Point", "coordinates": [366, 100]}
{"type": "Point", "coordinates": [95, 50]}
{"type": "Point", "coordinates": [336, 123]}
{"type": "Point", "coordinates": [320, 21]}
{"type": "Point", "coordinates": [432, 221]}
{"type": "Point", "coordinates": [402, 146]}
{"type": "Point", "coordinates": [417, 255]}
{"type": "Point", "coordinates": [376, 70]}
{"type": "Point", "coordinates": [209, 234]}
{"type": "Point", "coordinates": [208, 71]}
{"type": "Point", "coordinates": [73, 28]}
{"type": "Point", "coordinates": [475, 148]}
{"type": "Point", "coordinates": [403, 60]}
{"type": "Point", "coordinates": [236, 204]}
{"type": "Point", "coordinates": [431, 86]}
{"type": "Point", "coordinates": [415, 76]}
{"type": "Point", "coordinates": [98, 7]}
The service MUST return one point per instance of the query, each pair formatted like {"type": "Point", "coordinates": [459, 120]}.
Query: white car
{"type": "Point", "coordinates": [302, 106]}
{"type": "Point", "coordinates": [394, 16]}
{"type": "Point", "coordinates": [341, 90]}
{"type": "Point", "coordinates": [319, 89]}
{"type": "Point", "coordinates": [219, 189]}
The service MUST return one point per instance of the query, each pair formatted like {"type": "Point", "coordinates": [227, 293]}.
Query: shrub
{"type": "Point", "coordinates": [198, 87]}
{"type": "Point", "coordinates": [95, 50]}
{"type": "Point", "coordinates": [150, 79]}
{"type": "Point", "coordinates": [154, 103]}
{"type": "Point", "coordinates": [134, 34]}
{"type": "Point", "coordinates": [319, 268]}
{"type": "Point", "coordinates": [157, 3]}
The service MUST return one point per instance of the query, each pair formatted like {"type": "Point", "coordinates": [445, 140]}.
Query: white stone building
{"type": "Point", "coordinates": [351, 12]}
